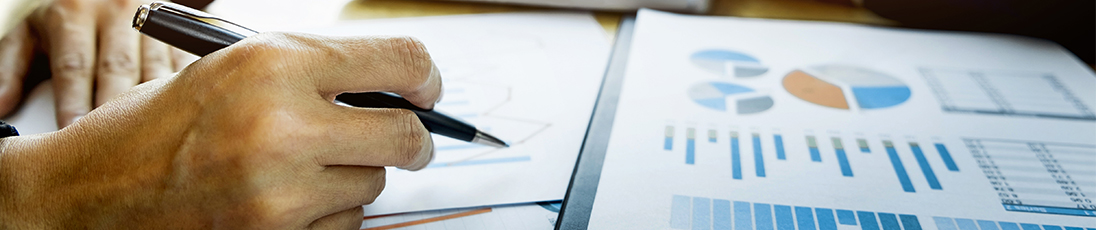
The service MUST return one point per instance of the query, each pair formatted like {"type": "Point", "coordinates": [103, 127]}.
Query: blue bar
{"type": "Point", "coordinates": [815, 155]}
{"type": "Point", "coordinates": [669, 145]}
{"type": "Point", "coordinates": [846, 217]}
{"type": "Point", "coordinates": [1009, 225]}
{"type": "Point", "coordinates": [804, 218]}
{"type": "Point", "coordinates": [898, 168]}
{"type": "Point", "coordinates": [690, 151]}
{"type": "Point", "coordinates": [711, 139]}
{"type": "Point", "coordinates": [825, 219]}
{"type": "Point", "coordinates": [889, 221]}
{"type": "Point", "coordinates": [909, 222]}
{"type": "Point", "coordinates": [944, 223]}
{"type": "Point", "coordinates": [480, 162]}
{"type": "Point", "coordinates": [1074, 228]}
{"type": "Point", "coordinates": [948, 161]}
{"type": "Point", "coordinates": [784, 220]}
{"type": "Point", "coordinates": [1052, 210]}
{"type": "Point", "coordinates": [763, 216]}
{"type": "Point", "coordinates": [867, 220]}
{"type": "Point", "coordinates": [843, 161]}
{"type": "Point", "coordinates": [925, 167]}
{"type": "Point", "coordinates": [722, 214]}
{"type": "Point", "coordinates": [742, 216]}
{"type": "Point", "coordinates": [988, 225]}
{"type": "Point", "coordinates": [702, 213]}
{"type": "Point", "coordinates": [759, 161]}
{"type": "Point", "coordinates": [779, 146]}
{"type": "Point", "coordinates": [680, 212]}
{"type": "Point", "coordinates": [1052, 227]}
{"type": "Point", "coordinates": [736, 161]}
{"type": "Point", "coordinates": [865, 150]}
{"type": "Point", "coordinates": [966, 224]}
{"type": "Point", "coordinates": [1030, 227]}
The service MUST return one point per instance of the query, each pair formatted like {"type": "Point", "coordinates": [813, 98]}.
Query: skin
{"type": "Point", "coordinates": [94, 55]}
{"type": "Point", "coordinates": [246, 137]}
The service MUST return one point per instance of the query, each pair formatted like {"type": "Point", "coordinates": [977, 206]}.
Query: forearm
{"type": "Point", "coordinates": [13, 11]}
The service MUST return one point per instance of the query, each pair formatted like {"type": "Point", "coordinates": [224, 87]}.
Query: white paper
{"type": "Point", "coordinates": [528, 78]}
{"type": "Point", "coordinates": [540, 215]}
{"type": "Point", "coordinates": [997, 104]}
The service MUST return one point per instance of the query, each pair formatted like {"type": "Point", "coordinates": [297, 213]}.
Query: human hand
{"type": "Point", "coordinates": [247, 136]}
{"type": "Point", "coordinates": [94, 55]}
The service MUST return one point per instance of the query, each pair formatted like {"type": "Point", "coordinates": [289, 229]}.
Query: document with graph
{"type": "Point", "coordinates": [753, 124]}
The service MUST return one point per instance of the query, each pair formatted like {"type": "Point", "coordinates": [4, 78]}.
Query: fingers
{"type": "Point", "coordinates": [374, 137]}
{"type": "Point", "coordinates": [119, 63]}
{"type": "Point", "coordinates": [346, 219]}
{"type": "Point", "coordinates": [180, 59]}
{"type": "Point", "coordinates": [16, 53]}
{"type": "Point", "coordinates": [156, 59]}
{"type": "Point", "coordinates": [71, 49]}
{"type": "Point", "coordinates": [338, 188]}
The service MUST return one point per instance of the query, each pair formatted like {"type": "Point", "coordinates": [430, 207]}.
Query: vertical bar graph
{"type": "Point", "coordinates": [899, 169]}
{"type": "Point", "coordinates": [812, 145]}
{"type": "Point", "coordinates": [909, 222]}
{"type": "Point", "coordinates": [680, 212]}
{"type": "Point", "coordinates": [721, 218]}
{"type": "Point", "coordinates": [690, 146]}
{"type": "Point", "coordinates": [742, 216]}
{"type": "Point", "coordinates": [804, 218]}
{"type": "Point", "coordinates": [948, 161]}
{"type": "Point", "coordinates": [763, 216]}
{"type": "Point", "coordinates": [784, 219]}
{"type": "Point", "coordinates": [736, 158]}
{"type": "Point", "coordinates": [842, 159]}
{"type": "Point", "coordinates": [867, 220]}
{"type": "Point", "coordinates": [826, 220]}
{"type": "Point", "coordinates": [846, 217]}
{"type": "Point", "coordinates": [863, 145]}
{"type": "Point", "coordinates": [779, 140]}
{"type": "Point", "coordinates": [702, 213]}
{"type": "Point", "coordinates": [759, 161]}
{"type": "Point", "coordinates": [889, 221]}
{"type": "Point", "coordinates": [925, 167]}
{"type": "Point", "coordinates": [669, 144]}
{"type": "Point", "coordinates": [712, 136]}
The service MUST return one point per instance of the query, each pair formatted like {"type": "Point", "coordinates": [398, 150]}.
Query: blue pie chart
{"type": "Point", "coordinates": [728, 97]}
{"type": "Point", "coordinates": [728, 63]}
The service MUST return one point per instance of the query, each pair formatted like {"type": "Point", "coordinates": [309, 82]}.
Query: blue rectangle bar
{"type": "Point", "coordinates": [1030, 227]}
{"type": "Point", "coordinates": [779, 140]}
{"type": "Point", "coordinates": [1074, 228]}
{"type": "Point", "coordinates": [711, 139]}
{"type": "Point", "coordinates": [669, 144]}
{"type": "Point", "coordinates": [804, 218]}
{"type": "Point", "coordinates": [889, 221]}
{"type": "Point", "coordinates": [826, 220]}
{"type": "Point", "coordinates": [1052, 227]}
{"type": "Point", "coordinates": [742, 216]}
{"type": "Point", "coordinates": [988, 225]}
{"type": "Point", "coordinates": [925, 167]}
{"type": "Point", "coordinates": [846, 217]}
{"type": "Point", "coordinates": [680, 212]}
{"type": "Point", "coordinates": [903, 178]}
{"type": "Point", "coordinates": [965, 224]}
{"type": "Point", "coordinates": [843, 161]}
{"type": "Point", "coordinates": [702, 213]}
{"type": "Point", "coordinates": [736, 158]}
{"type": "Point", "coordinates": [865, 150]}
{"type": "Point", "coordinates": [763, 216]}
{"type": "Point", "coordinates": [784, 219]}
{"type": "Point", "coordinates": [1009, 225]}
{"type": "Point", "coordinates": [944, 223]}
{"type": "Point", "coordinates": [721, 214]}
{"type": "Point", "coordinates": [909, 222]}
{"type": "Point", "coordinates": [815, 155]}
{"type": "Point", "coordinates": [690, 151]}
{"type": "Point", "coordinates": [759, 161]}
{"type": "Point", "coordinates": [944, 154]}
{"type": "Point", "coordinates": [1051, 210]}
{"type": "Point", "coordinates": [867, 220]}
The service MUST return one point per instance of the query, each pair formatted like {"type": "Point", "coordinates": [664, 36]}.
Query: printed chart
{"type": "Point", "coordinates": [1039, 177]}
{"type": "Point", "coordinates": [1005, 93]}
{"type": "Point", "coordinates": [728, 63]}
{"type": "Point", "coordinates": [846, 87]}
{"type": "Point", "coordinates": [723, 96]}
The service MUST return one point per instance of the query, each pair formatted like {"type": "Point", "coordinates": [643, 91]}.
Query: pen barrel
{"type": "Point", "coordinates": [433, 120]}
{"type": "Point", "coordinates": [188, 34]}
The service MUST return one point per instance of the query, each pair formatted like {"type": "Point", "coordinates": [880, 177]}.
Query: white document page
{"type": "Point", "coordinates": [751, 124]}
{"type": "Point", "coordinates": [528, 78]}
{"type": "Point", "coordinates": [539, 215]}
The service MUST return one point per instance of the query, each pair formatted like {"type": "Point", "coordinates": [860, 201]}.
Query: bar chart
{"type": "Point", "coordinates": [1039, 177]}
{"type": "Point", "coordinates": [1005, 93]}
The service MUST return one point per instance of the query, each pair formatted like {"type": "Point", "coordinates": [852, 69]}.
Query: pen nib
{"type": "Point", "coordinates": [487, 139]}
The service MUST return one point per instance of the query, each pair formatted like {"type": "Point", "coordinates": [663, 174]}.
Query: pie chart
{"type": "Point", "coordinates": [728, 63]}
{"type": "Point", "coordinates": [846, 87]}
{"type": "Point", "coordinates": [723, 96]}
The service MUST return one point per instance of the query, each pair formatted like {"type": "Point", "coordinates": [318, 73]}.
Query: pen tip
{"type": "Point", "coordinates": [487, 139]}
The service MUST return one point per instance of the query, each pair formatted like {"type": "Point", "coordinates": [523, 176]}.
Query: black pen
{"type": "Point", "coordinates": [200, 33]}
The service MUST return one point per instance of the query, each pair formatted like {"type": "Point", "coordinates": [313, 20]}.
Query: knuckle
{"type": "Point", "coordinates": [412, 137]}
{"type": "Point", "coordinates": [72, 63]}
{"type": "Point", "coordinates": [378, 181]}
{"type": "Point", "coordinates": [411, 55]}
{"type": "Point", "coordinates": [118, 63]}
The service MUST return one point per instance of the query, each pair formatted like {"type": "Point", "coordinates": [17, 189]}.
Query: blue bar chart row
{"type": "Point", "coordinates": [703, 213]}
{"type": "Point", "coordinates": [842, 159]}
